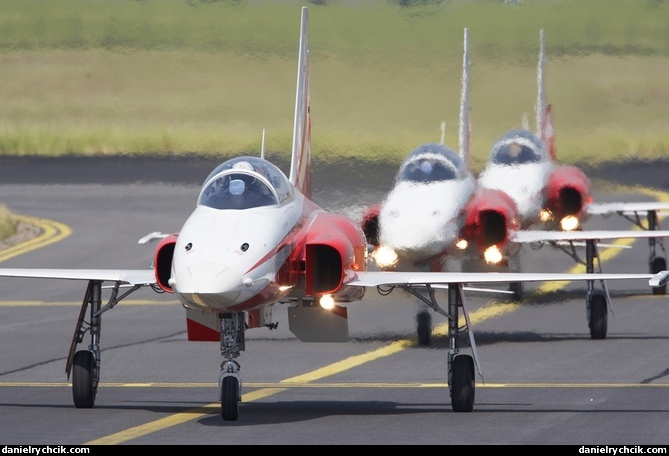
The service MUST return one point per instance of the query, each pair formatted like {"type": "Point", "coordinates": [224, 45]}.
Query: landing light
{"type": "Point", "coordinates": [461, 244]}
{"type": "Point", "coordinates": [385, 257]}
{"type": "Point", "coordinates": [327, 302]}
{"type": "Point", "coordinates": [569, 223]}
{"type": "Point", "coordinates": [545, 215]}
{"type": "Point", "coordinates": [492, 255]}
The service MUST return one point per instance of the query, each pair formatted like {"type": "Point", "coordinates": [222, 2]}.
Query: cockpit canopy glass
{"type": "Point", "coordinates": [518, 147]}
{"type": "Point", "coordinates": [243, 183]}
{"type": "Point", "coordinates": [432, 163]}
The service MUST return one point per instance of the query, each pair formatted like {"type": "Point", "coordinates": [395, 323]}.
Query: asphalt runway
{"type": "Point", "coordinates": [542, 379]}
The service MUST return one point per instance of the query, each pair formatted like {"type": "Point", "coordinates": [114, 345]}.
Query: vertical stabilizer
{"type": "Point", "coordinates": [544, 112]}
{"type": "Point", "coordinates": [300, 162]}
{"type": "Point", "coordinates": [465, 132]}
{"type": "Point", "coordinates": [541, 95]}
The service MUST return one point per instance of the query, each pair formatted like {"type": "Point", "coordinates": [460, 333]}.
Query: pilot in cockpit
{"type": "Point", "coordinates": [428, 171]}
{"type": "Point", "coordinates": [248, 191]}
{"type": "Point", "coordinates": [238, 188]}
{"type": "Point", "coordinates": [515, 153]}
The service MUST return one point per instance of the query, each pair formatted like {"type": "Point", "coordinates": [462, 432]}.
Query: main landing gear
{"type": "Point", "coordinates": [597, 301]}
{"type": "Point", "coordinates": [656, 262]}
{"type": "Point", "coordinates": [461, 381]}
{"type": "Point", "coordinates": [84, 365]}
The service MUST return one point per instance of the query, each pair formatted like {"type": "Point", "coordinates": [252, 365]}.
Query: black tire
{"type": "Point", "coordinates": [518, 291]}
{"type": "Point", "coordinates": [659, 264]}
{"type": "Point", "coordinates": [424, 328]}
{"type": "Point", "coordinates": [84, 388]}
{"type": "Point", "coordinates": [462, 387]}
{"type": "Point", "coordinates": [230, 398]}
{"type": "Point", "coordinates": [598, 316]}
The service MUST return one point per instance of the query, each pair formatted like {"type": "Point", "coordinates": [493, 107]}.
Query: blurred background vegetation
{"type": "Point", "coordinates": [206, 76]}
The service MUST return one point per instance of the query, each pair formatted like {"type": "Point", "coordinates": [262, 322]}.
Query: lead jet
{"type": "Point", "coordinates": [256, 241]}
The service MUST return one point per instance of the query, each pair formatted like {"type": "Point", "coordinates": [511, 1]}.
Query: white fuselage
{"type": "Point", "coordinates": [524, 183]}
{"type": "Point", "coordinates": [225, 258]}
{"type": "Point", "coordinates": [420, 221]}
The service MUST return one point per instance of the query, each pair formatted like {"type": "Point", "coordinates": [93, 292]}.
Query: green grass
{"type": "Point", "coordinates": [206, 77]}
{"type": "Point", "coordinates": [8, 222]}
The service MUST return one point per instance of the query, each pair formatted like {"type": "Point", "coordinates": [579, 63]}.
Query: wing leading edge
{"type": "Point", "coordinates": [128, 276]}
{"type": "Point", "coordinates": [380, 278]}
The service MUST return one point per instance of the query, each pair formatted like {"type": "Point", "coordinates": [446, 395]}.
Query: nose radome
{"type": "Point", "coordinates": [209, 284]}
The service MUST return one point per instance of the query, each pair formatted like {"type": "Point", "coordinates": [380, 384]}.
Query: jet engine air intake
{"type": "Point", "coordinates": [162, 263]}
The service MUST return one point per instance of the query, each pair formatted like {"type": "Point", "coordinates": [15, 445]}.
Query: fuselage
{"type": "Point", "coordinates": [524, 183]}
{"type": "Point", "coordinates": [520, 166]}
{"type": "Point", "coordinates": [420, 221]}
{"type": "Point", "coordinates": [421, 216]}
{"type": "Point", "coordinates": [231, 250]}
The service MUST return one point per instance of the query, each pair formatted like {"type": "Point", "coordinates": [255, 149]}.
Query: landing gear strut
{"type": "Point", "coordinates": [84, 365]}
{"type": "Point", "coordinates": [656, 263]}
{"type": "Point", "coordinates": [461, 381]}
{"type": "Point", "coordinates": [230, 380]}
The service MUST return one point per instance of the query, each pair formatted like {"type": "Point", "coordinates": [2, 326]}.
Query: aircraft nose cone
{"type": "Point", "coordinates": [414, 240]}
{"type": "Point", "coordinates": [209, 285]}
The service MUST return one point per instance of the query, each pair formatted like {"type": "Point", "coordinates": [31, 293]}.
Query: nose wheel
{"type": "Point", "coordinates": [230, 398]}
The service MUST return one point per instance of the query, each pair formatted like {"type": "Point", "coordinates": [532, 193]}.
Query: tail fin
{"type": "Point", "coordinates": [465, 129]}
{"type": "Point", "coordinates": [544, 113]}
{"type": "Point", "coordinates": [300, 162]}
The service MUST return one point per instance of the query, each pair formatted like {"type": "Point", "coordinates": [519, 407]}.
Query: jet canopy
{"type": "Point", "coordinates": [244, 183]}
{"type": "Point", "coordinates": [518, 147]}
{"type": "Point", "coordinates": [432, 163]}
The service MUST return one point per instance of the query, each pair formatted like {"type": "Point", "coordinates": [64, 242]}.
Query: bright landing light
{"type": "Point", "coordinates": [569, 223]}
{"type": "Point", "coordinates": [385, 257]}
{"type": "Point", "coordinates": [545, 215]}
{"type": "Point", "coordinates": [492, 255]}
{"type": "Point", "coordinates": [327, 302]}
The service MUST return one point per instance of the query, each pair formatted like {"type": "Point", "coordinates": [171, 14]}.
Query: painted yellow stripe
{"type": "Point", "coordinates": [52, 232]}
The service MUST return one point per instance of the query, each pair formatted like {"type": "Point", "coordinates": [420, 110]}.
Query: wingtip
{"type": "Point", "coordinates": [659, 279]}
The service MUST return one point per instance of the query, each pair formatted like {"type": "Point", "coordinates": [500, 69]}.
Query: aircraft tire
{"type": "Point", "coordinates": [462, 387]}
{"type": "Point", "coordinates": [659, 264]}
{"type": "Point", "coordinates": [424, 328]}
{"type": "Point", "coordinates": [597, 316]}
{"type": "Point", "coordinates": [83, 388]}
{"type": "Point", "coordinates": [230, 398]}
{"type": "Point", "coordinates": [518, 291]}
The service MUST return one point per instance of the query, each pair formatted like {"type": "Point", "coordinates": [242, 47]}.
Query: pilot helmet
{"type": "Point", "coordinates": [426, 167]}
{"type": "Point", "coordinates": [243, 165]}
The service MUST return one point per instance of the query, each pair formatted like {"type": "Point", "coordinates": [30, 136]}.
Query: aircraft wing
{"type": "Point", "coordinates": [380, 278]}
{"type": "Point", "coordinates": [634, 207]}
{"type": "Point", "coordinates": [129, 276]}
{"type": "Point", "coordinates": [528, 236]}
